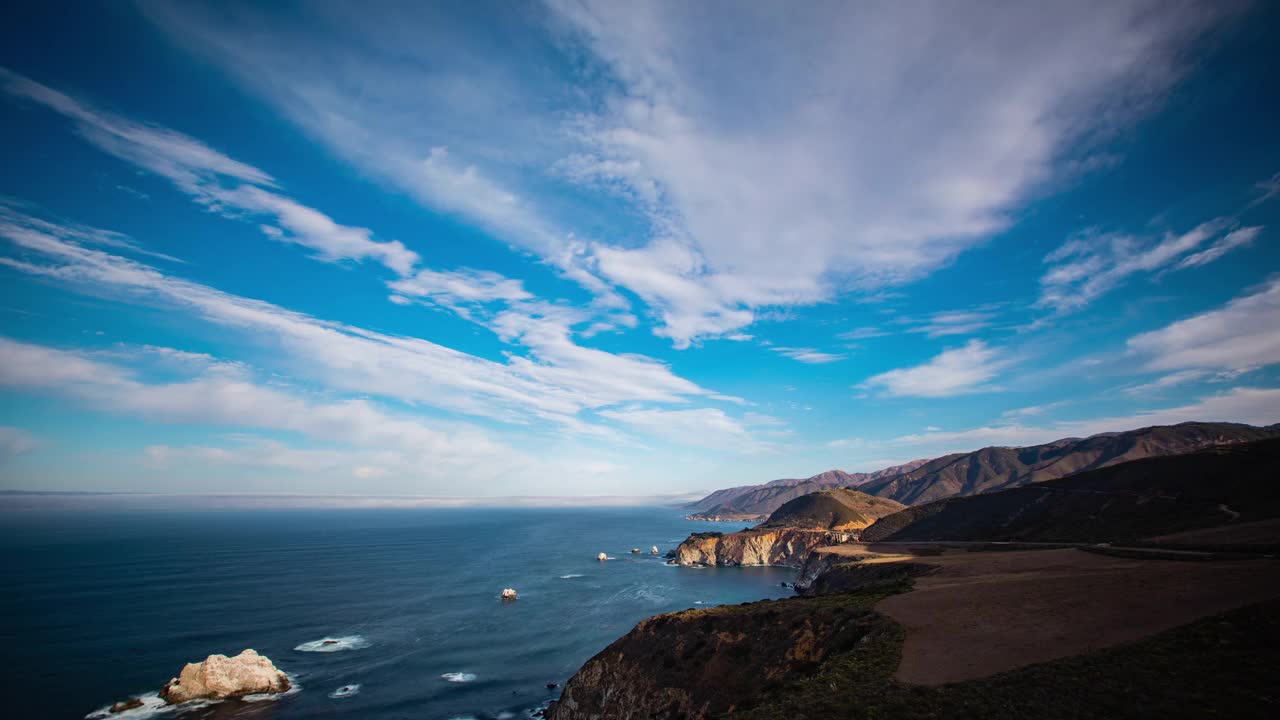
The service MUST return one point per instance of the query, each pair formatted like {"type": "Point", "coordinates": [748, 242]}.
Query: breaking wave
{"type": "Point", "coordinates": [334, 644]}
{"type": "Point", "coordinates": [569, 576]}
{"type": "Point", "coordinates": [458, 677]}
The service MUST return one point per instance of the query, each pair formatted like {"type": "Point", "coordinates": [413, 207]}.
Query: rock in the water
{"type": "Point", "coordinates": [635, 551]}
{"type": "Point", "coordinates": [653, 550]}
{"type": "Point", "coordinates": [552, 686]}
{"type": "Point", "coordinates": [129, 704]}
{"type": "Point", "coordinates": [220, 677]}
{"type": "Point", "coordinates": [508, 594]}
{"type": "Point", "coordinates": [602, 557]}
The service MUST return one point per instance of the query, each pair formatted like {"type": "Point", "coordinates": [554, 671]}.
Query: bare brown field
{"type": "Point", "coordinates": [983, 613]}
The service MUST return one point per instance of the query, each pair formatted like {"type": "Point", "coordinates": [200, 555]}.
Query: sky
{"type": "Point", "coordinates": [579, 248]}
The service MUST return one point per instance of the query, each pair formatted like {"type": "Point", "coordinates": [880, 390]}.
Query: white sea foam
{"type": "Point", "coordinates": [334, 644]}
{"type": "Point", "coordinates": [458, 677]}
{"type": "Point", "coordinates": [569, 577]}
{"type": "Point", "coordinates": [345, 691]}
{"type": "Point", "coordinates": [152, 705]}
{"type": "Point", "coordinates": [155, 706]}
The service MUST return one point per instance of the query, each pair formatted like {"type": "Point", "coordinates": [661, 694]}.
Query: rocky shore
{"type": "Point", "coordinates": [219, 677]}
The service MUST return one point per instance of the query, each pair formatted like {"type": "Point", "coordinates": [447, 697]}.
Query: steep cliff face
{"type": "Point", "coordinates": [705, 663]}
{"type": "Point", "coordinates": [761, 546]}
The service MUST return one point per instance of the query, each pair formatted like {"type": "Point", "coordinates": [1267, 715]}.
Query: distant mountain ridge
{"type": "Point", "coordinates": [984, 470]}
{"type": "Point", "coordinates": [1224, 486]}
{"type": "Point", "coordinates": [756, 502]}
{"type": "Point", "coordinates": [999, 468]}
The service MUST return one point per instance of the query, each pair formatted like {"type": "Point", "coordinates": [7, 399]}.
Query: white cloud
{"type": "Point", "coordinates": [797, 150]}
{"type": "Point", "coordinates": [224, 395]}
{"type": "Point", "coordinates": [1251, 405]}
{"type": "Point", "coordinates": [862, 333]}
{"type": "Point", "coordinates": [957, 371]}
{"type": "Point", "coordinates": [1028, 411]}
{"type": "Point", "coordinates": [558, 381]}
{"type": "Point", "coordinates": [1092, 263]}
{"type": "Point", "coordinates": [779, 156]}
{"type": "Point", "coordinates": [808, 355]}
{"type": "Point", "coordinates": [15, 441]}
{"type": "Point", "coordinates": [1182, 377]}
{"type": "Point", "coordinates": [1234, 239]}
{"type": "Point", "coordinates": [703, 427]}
{"type": "Point", "coordinates": [459, 288]}
{"type": "Point", "coordinates": [214, 180]}
{"type": "Point", "coordinates": [1242, 334]}
{"type": "Point", "coordinates": [955, 322]}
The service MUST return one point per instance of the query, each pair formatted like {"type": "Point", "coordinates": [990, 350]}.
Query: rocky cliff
{"type": "Point", "coordinates": [760, 546]}
{"type": "Point", "coordinates": [706, 663]}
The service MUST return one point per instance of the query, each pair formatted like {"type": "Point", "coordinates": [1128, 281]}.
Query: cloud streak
{"type": "Point", "coordinates": [958, 371]}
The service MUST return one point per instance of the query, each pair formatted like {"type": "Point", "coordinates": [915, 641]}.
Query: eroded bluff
{"type": "Point", "coordinates": [700, 664]}
{"type": "Point", "coordinates": [760, 546]}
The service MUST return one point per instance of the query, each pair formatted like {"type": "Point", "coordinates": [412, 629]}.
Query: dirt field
{"type": "Point", "coordinates": [1258, 532]}
{"type": "Point", "coordinates": [987, 612]}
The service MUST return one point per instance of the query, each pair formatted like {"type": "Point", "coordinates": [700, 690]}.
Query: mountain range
{"type": "Point", "coordinates": [1231, 485]}
{"type": "Point", "coordinates": [984, 470]}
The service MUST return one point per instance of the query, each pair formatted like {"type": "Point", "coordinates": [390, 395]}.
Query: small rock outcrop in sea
{"type": "Point", "coordinates": [602, 557]}
{"type": "Point", "coordinates": [219, 677]}
{"type": "Point", "coordinates": [508, 594]}
{"type": "Point", "coordinates": [130, 704]}
{"type": "Point", "coordinates": [653, 550]}
{"type": "Point", "coordinates": [635, 551]}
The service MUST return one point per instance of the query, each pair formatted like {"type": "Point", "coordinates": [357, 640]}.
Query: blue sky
{"type": "Point", "coordinates": [581, 248]}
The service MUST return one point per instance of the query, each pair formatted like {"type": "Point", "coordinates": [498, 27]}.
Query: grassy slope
{"type": "Point", "coordinates": [833, 509]}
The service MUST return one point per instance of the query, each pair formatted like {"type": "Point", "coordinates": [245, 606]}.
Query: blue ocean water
{"type": "Point", "coordinates": [98, 607]}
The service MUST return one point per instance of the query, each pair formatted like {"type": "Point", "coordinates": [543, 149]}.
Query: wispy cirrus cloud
{"type": "Point", "coordinates": [702, 427]}
{"type": "Point", "coordinates": [218, 182]}
{"type": "Point", "coordinates": [1257, 406]}
{"type": "Point", "coordinates": [809, 356]}
{"type": "Point", "coordinates": [773, 168]}
{"type": "Point", "coordinates": [1093, 263]}
{"type": "Point", "coordinates": [558, 381]}
{"type": "Point", "coordinates": [954, 322]}
{"type": "Point", "coordinates": [15, 441]}
{"type": "Point", "coordinates": [1242, 334]}
{"type": "Point", "coordinates": [957, 371]}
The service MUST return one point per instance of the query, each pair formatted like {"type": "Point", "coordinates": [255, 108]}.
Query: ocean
{"type": "Point", "coordinates": [99, 607]}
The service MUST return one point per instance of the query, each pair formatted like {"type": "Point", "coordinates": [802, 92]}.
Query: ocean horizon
{"type": "Point", "coordinates": [373, 613]}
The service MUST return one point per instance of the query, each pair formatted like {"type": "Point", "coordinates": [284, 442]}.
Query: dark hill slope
{"type": "Point", "coordinates": [998, 468]}
{"type": "Point", "coordinates": [1235, 483]}
{"type": "Point", "coordinates": [757, 501]}
{"type": "Point", "coordinates": [837, 509]}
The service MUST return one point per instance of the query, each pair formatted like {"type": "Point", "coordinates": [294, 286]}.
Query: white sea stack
{"type": "Point", "coordinates": [653, 550]}
{"type": "Point", "coordinates": [508, 594]}
{"type": "Point", "coordinates": [220, 677]}
{"type": "Point", "coordinates": [602, 557]}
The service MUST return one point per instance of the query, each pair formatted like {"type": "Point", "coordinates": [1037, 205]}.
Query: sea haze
{"type": "Point", "coordinates": [104, 606]}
